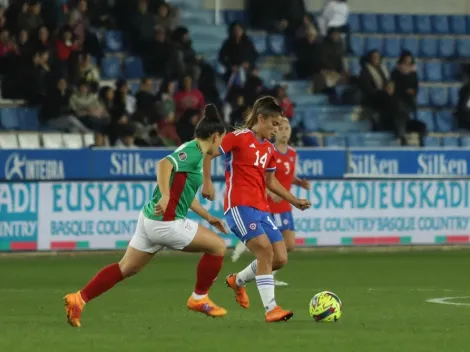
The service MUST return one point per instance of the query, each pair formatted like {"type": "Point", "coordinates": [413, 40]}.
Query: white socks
{"type": "Point", "coordinates": [248, 274]}
{"type": "Point", "coordinates": [198, 297]}
{"type": "Point", "coordinates": [265, 285]}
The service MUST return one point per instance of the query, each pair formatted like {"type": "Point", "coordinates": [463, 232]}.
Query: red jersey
{"type": "Point", "coordinates": [285, 174]}
{"type": "Point", "coordinates": [247, 160]}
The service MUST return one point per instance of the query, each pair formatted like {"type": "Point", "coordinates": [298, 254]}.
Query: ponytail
{"type": "Point", "coordinates": [210, 123]}
{"type": "Point", "coordinates": [266, 107]}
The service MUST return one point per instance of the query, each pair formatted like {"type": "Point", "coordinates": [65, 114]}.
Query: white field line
{"type": "Point", "coordinates": [447, 300]}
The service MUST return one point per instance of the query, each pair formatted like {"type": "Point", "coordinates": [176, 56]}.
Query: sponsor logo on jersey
{"type": "Point", "coordinates": [252, 226]}
{"type": "Point", "coordinates": [182, 156]}
{"type": "Point", "coordinates": [286, 222]}
{"type": "Point", "coordinates": [252, 145]}
{"type": "Point", "coordinates": [278, 161]}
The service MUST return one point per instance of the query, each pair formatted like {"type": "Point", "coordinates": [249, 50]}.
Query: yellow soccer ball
{"type": "Point", "coordinates": [325, 307]}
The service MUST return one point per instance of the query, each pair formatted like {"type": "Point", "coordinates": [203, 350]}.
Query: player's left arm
{"type": "Point", "coordinates": [302, 183]}
{"type": "Point", "coordinates": [203, 213]}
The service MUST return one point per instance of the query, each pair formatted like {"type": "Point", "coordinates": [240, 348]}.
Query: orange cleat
{"type": "Point", "coordinates": [278, 314]}
{"type": "Point", "coordinates": [73, 308]}
{"type": "Point", "coordinates": [240, 292]}
{"type": "Point", "coordinates": [206, 306]}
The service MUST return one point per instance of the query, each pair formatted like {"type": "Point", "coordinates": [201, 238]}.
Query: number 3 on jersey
{"type": "Point", "coordinates": [261, 160]}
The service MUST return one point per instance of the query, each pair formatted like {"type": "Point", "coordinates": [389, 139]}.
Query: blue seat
{"type": "Point", "coordinates": [411, 44]}
{"type": "Point", "coordinates": [440, 24]}
{"type": "Point", "coordinates": [432, 141]}
{"type": "Point", "coordinates": [110, 67]}
{"type": "Point", "coordinates": [311, 122]}
{"type": "Point", "coordinates": [334, 141]}
{"type": "Point", "coordinates": [354, 21]}
{"type": "Point", "coordinates": [405, 24]}
{"type": "Point", "coordinates": [423, 96]}
{"type": "Point", "coordinates": [392, 46]}
{"type": "Point", "coordinates": [458, 24]}
{"type": "Point", "coordinates": [433, 71]}
{"type": "Point", "coordinates": [390, 64]}
{"type": "Point", "coordinates": [234, 16]}
{"type": "Point", "coordinates": [423, 24]}
{"type": "Point", "coordinates": [276, 44]}
{"type": "Point", "coordinates": [260, 43]}
{"type": "Point", "coordinates": [465, 141]}
{"type": "Point", "coordinates": [387, 23]}
{"type": "Point", "coordinates": [357, 45]}
{"type": "Point", "coordinates": [113, 41]}
{"type": "Point", "coordinates": [133, 68]}
{"type": "Point", "coordinates": [369, 23]}
{"type": "Point", "coordinates": [271, 77]}
{"type": "Point", "coordinates": [446, 47]}
{"type": "Point", "coordinates": [310, 141]}
{"type": "Point", "coordinates": [420, 70]}
{"type": "Point", "coordinates": [374, 43]}
{"type": "Point", "coordinates": [426, 117]}
{"type": "Point", "coordinates": [354, 67]}
{"type": "Point", "coordinates": [451, 142]}
{"type": "Point", "coordinates": [9, 119]}
{"type": "Point", "coordinates": [199, 16]}
{"type": "Point", "coordinates": [444, 121]}
{"type": "Point", "coordinates": [463, 48]}
{"type": "Point", "coordinates": [452, 71]}
{"type": "Point", "coordinates": [454, 95]}
{"type": "Point", "coordinates": [28, 118]}
{"type": "Point", "coordinates": [428, 47]}
{"type": "Point", "coordinates": [438, 97]}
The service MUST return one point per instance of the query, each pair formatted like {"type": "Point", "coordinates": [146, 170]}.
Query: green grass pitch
{"type": "Point", "coordinates": [384, 298]}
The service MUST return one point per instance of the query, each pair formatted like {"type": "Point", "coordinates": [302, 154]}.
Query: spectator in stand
{"type": "Point", "coordinates": [406, 80]}
{"type": "Point", "coordinates": [117, 120]}
{"type": "Point", "coordinates": [331, 57]}
{"type": "Point", "coordinates": [24, 45]}
{"type": "Point", "coordinates": [43, 39]}
{"type": "Point", "coordinates": [66, 47]}
{"type": "Point", "coordinates": [238, 111]}
{"type": "Point", "coordinates": [335, 15]}
{"type": "Point", "coordinates": [253, 88]}
{"type": "Point", "coordinates": [101, 14]}
{"type": "Point", "coordinates": [124, 102]}
{"type": "Point", "coordinates": [307, 49]}
{"type": "Point", "coordinates": [166, 113]}
{"type": "Point", "coordinates": [145, 111]}
{"type": "Point", "coordinates": [188, 97]}
{"type": "Point", "coordinates": [284, 101]}
{"type": "Point", "coordinates": [463, 107]}
{"type": "Point", "coordinates": [56, 112]}
{"type": "Point", "coordinates": [5, 42]}
{"type": "Point", "coordinates": [187, 59]}
{"type": "Point", "coordinates": [126, 138]}
{"type": "Point", "coordinates": [142, 27]}
{"type": "Point", "coordinates": [160, 57]}
{"type": "Point", "coordinates": [88, 71]}
{"type": "Point", "coordinates": [167, 18]}
{"type": "Point", "coordinates": [307, 27]}
{"type": "Point", "coordinates": [373, 78]}
{"type": "Point", "coordinates": [237, 52]}
{"type": "Point", "coordinates": [186, 124]}
{"type": "Point", "coordinates": [208, 85]}
{"type": "Point", "coordinates": [89, 110]}
{"type": "Point", "coordinates": [30, 16]}
{"type": "Point", "coordinates": [36, 79]}
{"type": "Point", "coordinates": [3, 19]}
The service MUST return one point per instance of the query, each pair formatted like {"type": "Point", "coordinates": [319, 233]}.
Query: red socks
{"type": "Point", "coordinates": [102, 282]}
{"type": "Point", "coordinates": [207, 270]}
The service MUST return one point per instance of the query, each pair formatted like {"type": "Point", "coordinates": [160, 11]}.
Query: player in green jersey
{"type": "Point", "coordinates": [163, 223]}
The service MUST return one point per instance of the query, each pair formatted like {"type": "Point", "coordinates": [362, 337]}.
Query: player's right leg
{"type": "Point", "coordinates": [139, 252]}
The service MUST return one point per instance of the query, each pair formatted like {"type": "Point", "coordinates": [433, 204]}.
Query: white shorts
{"type": "Point", "coordinates": [152, 236]}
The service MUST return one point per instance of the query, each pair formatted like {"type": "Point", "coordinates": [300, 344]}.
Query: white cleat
{"type": "Point", "coordinates": [240, 248]}
{"type": "Point", "coordinates": [280, 283]}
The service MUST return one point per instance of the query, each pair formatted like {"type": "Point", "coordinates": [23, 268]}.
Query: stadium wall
{"type": "Point", "coordinates": [458, 7]}
{"type": "Point", "coordinates": [90, 199]}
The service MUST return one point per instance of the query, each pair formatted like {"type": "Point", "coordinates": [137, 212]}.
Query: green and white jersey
{"type": "Point", "coordinates": [186, 178]}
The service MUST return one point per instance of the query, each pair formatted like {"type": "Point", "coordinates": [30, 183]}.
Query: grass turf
{"type": "Point", "coordinates": [383, 296]}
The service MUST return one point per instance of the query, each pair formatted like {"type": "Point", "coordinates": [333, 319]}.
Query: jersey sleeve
{"type": "Point", "coordinates": [271, 166]}
{"type": "Point", "coordinates": [228, 143]}
{"type": "Point", "coordinates": [185, 159]}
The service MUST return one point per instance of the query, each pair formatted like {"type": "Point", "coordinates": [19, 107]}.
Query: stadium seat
{"type": "Point", "coordinates": [234, 16]}
{"type": "Point", "coordinates": [357, 45]}
{"type": "Point", "coordinates": [276, 44]}
{"type": "Point", "coordinates": [430, 141]}
{"type": "Point", "coordinates": [354, 22]}
{"type": "Point", "coordinates": [428, 47]}
{"type": "Point", "coordinates": [214, 33]}
{"type": "Point", "coordinates": [454, 95]}
{"type": "Point", "coordinates": [433, 71]}
{"type": "Point", "coordinates": [369, 23]}
{"type": "Point", "coordinates": [392, 46]}
{"type": "Point", "coordinates": [196, 16]}
{"type": "Point", "coordinates": [390, 65]}
{"type": "Point", "coordinates": [334, 141]}
{"type": "Point", "coordinates": [299, 90]}
{"type": "Point", "coordinates": [411, 44]}
{"type": "Point", "coordinates": [88, 139]}
{"type": "Point", "coordinates": [440, 24]}
{"type": "Point", "coordinates": [387, 23]}
{"type": "Point", "coordinates": [113, 41]}
{"type": "Point", "coordinates": [465, 141]}
{"type": "Point", "coordinates": [29, 140]}
{"type": "Point", "coordinates": [423, 24]}
{"type": "Point", "coordinates": [444, 121]}
{"type": "Point", "coordinates": [133, 67]}
{"type": "Point", "coordinates": [311, 123]}
{"type": "Point", "coordinates": [458, 24]}
{"type": "Point", "coordinates": [52, 140]}
{"type": "Point", "coordinates": [450, 142]}
{"type": "Point", "coordinates": [446, 47]}
{"type": "Point", "coordinates": [427, 117]}
{"type": "Point", "coordinates": [270, 77]}
{"type": "Point", "coordinates": [423, 96]}
{"type": "Point", "coordinates": [420, 70]}
{"type": "Point", "coordinates": [405, 24]}
{"type": "Point", "coordinates": [310, 141]}
{"type": "Point", "coordinates": [9, 140]}
{"type": "Point", "coordinates": [451, 71]}
{"type": "Point", "coordinates": [73, 141]}
{"type": "Point", "coordinates": [463, 48]}
{"type": "Point", "coordinates": [29, 119]}
{"type": "Point", "coordinates": [374, 43]}
{"type": "Point", "coordinates": [9, 119]}
{"type": "Point", "coordinates": [110, 67]}
{"type": "Point", "coordinates": [259, 41]}
{"type": "Point", "coordinates": [354, 67]}
{"type": "Point", "coordinates": [438, 96]}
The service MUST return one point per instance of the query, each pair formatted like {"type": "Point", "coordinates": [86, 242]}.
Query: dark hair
{"type": "Point", "coordinates": [210, 123]}
{"type": "Point", "coordinates": [266, 107]}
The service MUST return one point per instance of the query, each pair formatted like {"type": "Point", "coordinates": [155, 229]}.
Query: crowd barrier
{"type": "Point", "coordinates": [90, 199]}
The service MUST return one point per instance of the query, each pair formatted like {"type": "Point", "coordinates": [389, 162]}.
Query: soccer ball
{"type": "Point", "coordinates": [325, 307]}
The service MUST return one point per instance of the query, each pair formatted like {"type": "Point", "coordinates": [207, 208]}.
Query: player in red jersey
{"type": "Point", "coordinates": [285, 157]}
{"type": "Point", "coordinates": [250, 166]}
